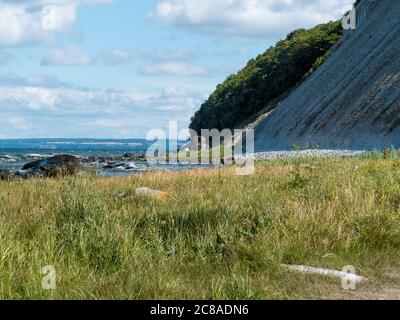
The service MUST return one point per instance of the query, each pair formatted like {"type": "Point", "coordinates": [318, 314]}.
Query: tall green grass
{"type": "Point", "coordinates": [217, 236]}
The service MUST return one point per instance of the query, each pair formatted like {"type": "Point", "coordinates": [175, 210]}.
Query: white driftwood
{"type": "Point", "coordinates": [326, 272]}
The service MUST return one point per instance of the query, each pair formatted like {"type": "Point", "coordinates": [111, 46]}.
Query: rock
{"type": "Point", "coordinates": [5, 175]}
{"type": "Point", "coordinates": [134, 157]}
{"type": "Point", "coordinates": [120, 164]}
{"type": "Point", "coordinates": [124, 157]}
{"type": "Point", "coordinates": [58, 165]}
{"type": "Point", "coordinates": [90, 159]}
{"type": "Point", "coordinates": [107, 165]}
{"type": "Point", "coordinates": [155, 194]}
{"type": "Point", "coordinates": [127, 156]}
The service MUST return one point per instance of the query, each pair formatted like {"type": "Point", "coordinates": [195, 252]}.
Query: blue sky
{"type": "Point", "coordinates": [118, 68]}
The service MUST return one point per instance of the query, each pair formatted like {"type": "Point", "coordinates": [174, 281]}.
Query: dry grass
{"type": "Point", "coordinates": [217, 235]}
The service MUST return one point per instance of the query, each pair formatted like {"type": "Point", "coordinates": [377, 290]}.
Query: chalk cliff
{"type": "Point", "coordinates": [353, 99]}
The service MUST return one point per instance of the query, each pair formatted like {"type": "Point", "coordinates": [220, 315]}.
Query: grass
{"type": "Point", "coordinates": [218, 236]}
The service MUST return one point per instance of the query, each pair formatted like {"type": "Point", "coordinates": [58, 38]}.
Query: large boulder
{"type": "Point", "coordinates": [134, 157]}
{"type": "Point", "coordinates": [54, 166]}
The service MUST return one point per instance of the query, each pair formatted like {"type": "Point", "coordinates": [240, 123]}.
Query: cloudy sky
{"type": "Point", "coordinates": [117, 68]}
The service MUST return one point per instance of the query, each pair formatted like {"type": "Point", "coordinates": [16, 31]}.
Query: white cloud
{"type": "Point", "coordinates": [27, 22]}
{"type": "Point", "coordinates": [67, 56]}
{"type": "Point", "coordinates": [118, 56]}
{"type": "Point", "coordinates": [18, 123]}
{"type": "Point", "coordinates": [18, 26]}
{"type": "Point", "coordinates": [13, 124]}
{"type": "Point", "coordinates": [57, 17]}
{"type": "Point", "coordinates": [177, 54]}
{"type": "Point", "coordinates": [248, 18]}
{"type": "Point", "coordinates": [45, 81]}
{"type": "Point", "coordinates": [64, 110]}
{"type": "Point", "coordinates": [170, 92]}
{"type": "Point", "coordinates": [174, 69]}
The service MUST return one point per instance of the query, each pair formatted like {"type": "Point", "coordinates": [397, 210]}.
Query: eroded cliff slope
{"type": "Point", "coordinates": [353, 99]}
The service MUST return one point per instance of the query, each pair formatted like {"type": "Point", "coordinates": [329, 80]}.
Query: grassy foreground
{"type": "Point", "coordinates": [217, 236]}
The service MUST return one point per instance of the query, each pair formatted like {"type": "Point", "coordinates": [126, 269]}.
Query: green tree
{"type": "Point", "coordinates": [267, 77]}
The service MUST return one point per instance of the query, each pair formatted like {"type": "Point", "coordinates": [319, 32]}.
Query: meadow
{"type": "Point", "coordinates": [214, 235]}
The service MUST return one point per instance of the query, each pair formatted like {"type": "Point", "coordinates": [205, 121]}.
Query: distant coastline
{"type": "Point", "coordinates": [110, 143]}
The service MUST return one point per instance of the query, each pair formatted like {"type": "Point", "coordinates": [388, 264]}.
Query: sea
{"type": "Point", "coordinates": [14, 153]}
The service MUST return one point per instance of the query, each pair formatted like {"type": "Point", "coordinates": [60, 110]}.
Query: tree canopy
{"type": "Point", "coordinates": [267, 77]}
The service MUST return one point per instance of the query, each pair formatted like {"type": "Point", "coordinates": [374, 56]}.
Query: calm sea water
{"type": "Point", "coordinates": [15, 153]}
{"type": "Point", "coordinates": [74, 145]}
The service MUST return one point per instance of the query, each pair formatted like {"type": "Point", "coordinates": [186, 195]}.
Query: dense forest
{"type": "Point", "coordinates": [267, 77]}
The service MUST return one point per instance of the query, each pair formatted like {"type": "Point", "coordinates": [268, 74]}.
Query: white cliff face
{"type": "Point", "coordinates": [353, 99]}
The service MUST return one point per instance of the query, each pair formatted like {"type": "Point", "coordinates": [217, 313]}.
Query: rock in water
{"type": "Point", "coordinates": [58, 165]}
